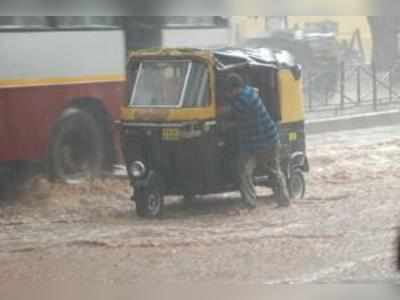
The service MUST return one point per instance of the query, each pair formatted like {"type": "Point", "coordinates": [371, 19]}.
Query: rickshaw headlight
{"type": "Point", "coordinates": [137, 169]}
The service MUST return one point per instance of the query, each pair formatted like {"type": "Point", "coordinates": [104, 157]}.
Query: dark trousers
{"type": "Point", "coordinates": [269, 160]}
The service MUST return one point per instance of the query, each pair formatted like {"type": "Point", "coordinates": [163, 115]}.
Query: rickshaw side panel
{"type": "Point", "coordinates": [291, 96]}
{"type": "Point", "coordinates": [195, 165]}
{"type": "Point", "coordinates": [292, 128]}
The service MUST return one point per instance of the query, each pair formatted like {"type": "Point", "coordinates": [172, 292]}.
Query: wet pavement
{"type": "Point", "coordinates": [343, 231]}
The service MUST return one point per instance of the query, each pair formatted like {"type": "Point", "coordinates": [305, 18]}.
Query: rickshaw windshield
{"type": "Point", "coordinates": [160, 83]}
{"type": "Point", "coordinates": [170, 83]}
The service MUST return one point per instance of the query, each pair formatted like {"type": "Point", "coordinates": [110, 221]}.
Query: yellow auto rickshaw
{"type": "Point", "coordinates": [174, 139]}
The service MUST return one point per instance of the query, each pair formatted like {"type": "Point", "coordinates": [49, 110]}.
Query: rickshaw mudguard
{"type": "Point", "coordinates": [151, 179]}
{"type": "Point", "coordinates": [298, 160]}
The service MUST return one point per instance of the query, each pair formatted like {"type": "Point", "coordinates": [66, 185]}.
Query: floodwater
{"type": "Point", "coordinates": [343, 231]}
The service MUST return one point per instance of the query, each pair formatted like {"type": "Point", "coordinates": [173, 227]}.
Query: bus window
{"type": "Point", "coordinates": [195, 21]}
{"type": "Point", "coordinates": [85, 21]}
{"type": "Point", "coordinates": [7, 21]}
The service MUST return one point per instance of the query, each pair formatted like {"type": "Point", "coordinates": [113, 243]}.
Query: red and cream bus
{"type": "Point", "coordinates": [62, 80]}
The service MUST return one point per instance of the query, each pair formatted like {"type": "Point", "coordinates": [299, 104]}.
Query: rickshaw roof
{"type": "Point", "coordinates": [224, 58]}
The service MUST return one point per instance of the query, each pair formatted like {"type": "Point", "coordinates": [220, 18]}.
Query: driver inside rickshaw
{"type": "Point", "coordinates": [259, 142]}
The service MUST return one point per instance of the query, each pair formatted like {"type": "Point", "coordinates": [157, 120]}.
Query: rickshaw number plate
{"type": "Point", "coordinates": [292, 136]}
{"type": "Point", "coordinates": [170, 134]}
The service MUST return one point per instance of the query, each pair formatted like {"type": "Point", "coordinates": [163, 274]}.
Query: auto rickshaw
{"type": "Point", "coordinates": [174, 139]}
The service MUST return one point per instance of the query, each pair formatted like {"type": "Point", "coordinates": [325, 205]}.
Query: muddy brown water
{"type": "Point", "coordinates": [343, 230]}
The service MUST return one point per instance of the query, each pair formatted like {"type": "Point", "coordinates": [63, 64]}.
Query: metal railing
{"type": "Point", "coordinates": [351, 89]}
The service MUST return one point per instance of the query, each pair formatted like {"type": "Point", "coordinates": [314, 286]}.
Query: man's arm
{"type": "Point", "coordinates": [239, 105]}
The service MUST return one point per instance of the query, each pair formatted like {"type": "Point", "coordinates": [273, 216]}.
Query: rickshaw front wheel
{"type": "Point", "coordinates": [149, 203]}
{"type": "Point", "coordinates": [297, 185]}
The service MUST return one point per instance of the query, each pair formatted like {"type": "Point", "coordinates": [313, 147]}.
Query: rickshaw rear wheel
{"type": "Point", "coordinates": [149, 202]}
{"type": "Point", "coordinates": [297, 185]}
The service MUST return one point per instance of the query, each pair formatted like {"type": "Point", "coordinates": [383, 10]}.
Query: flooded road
{"type": "Point", "coordinates": [343, 231]}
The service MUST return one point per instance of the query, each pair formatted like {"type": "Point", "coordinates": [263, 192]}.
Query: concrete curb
{"type": "Point", "coordinates": [368, 120]}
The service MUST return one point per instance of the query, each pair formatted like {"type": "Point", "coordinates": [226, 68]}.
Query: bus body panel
{"type": "Point", "coordinates": [43, 72]}
{"type": "Point", "coordinates": [57, 55]}
{"type": "Point", "coordinates": [33, 111]}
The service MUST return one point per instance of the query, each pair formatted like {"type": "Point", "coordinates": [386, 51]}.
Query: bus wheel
{"type": "Point", "coordinates": [297, 185]}
{"type": "Point", "coordinates": [149, 202]}
{"type": "Point", "coordinates": [8, 183]}
{"type": "Point", "coordinates": [3, 186]}
{"type": "Point", "coordinates": [188, 200]}
{"type": "Point", "coordinates": [77, 146]}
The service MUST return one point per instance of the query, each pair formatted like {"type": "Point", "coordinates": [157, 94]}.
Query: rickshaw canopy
{"type": "Point", "coordinates": [224, 58]}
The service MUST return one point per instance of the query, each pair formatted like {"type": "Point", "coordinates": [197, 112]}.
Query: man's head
{"type": "Point", "coordinates": [234, 83]}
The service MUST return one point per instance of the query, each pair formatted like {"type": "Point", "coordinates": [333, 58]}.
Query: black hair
{"type": "Point", "coordinates": [234, 81]}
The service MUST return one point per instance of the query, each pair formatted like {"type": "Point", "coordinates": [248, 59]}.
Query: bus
{"type": "Point", "coordinates": [62, 81]}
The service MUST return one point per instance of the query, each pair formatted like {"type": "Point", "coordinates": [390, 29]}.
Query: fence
{"type": "Point", "coordinates": [351, 89]}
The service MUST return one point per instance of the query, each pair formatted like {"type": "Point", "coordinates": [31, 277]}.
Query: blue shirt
{"type": "Point", "coordinates": [257, 130]}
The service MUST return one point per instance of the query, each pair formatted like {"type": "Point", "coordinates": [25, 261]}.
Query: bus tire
{"type": "Point", "coordinates": [8, 183]}
{"type": "Point", "coordinates": [188, 200]}
{"type": "Point", "coordinates": [77, 146]}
